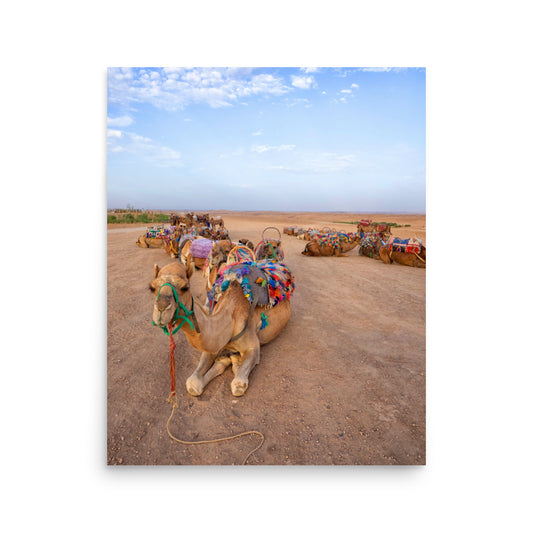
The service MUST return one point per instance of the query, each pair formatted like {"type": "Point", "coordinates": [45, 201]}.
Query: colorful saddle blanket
{"type": "Point", "coordinates": [369, 241]}
{"type": "Point", "coordinates": [160, 233]}
{"type": "Point", "coordinates": [264, 283]}
{"type": "Point", "coordinates": [409, 246]}
{"type": "Point", "coordinates": [328, 239]}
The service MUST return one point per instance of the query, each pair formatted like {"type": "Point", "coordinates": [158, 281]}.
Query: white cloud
{"type": "Point", "coordinates": [310, 70]}
{"type": "Point", "coordinates": [258, 132]}
{"type": "Point", "coordinates": [266, 148]}
{"type": "Point", "coordinates": [144, 147]}
{"type": "Point", "coordinates": [120, 122]}
{"type": "Point", "coordinates": [176, 88]}
{"type": "Point", "coordinates": [114, 133]}
{"type": "Point", "coordinates": [346, 91]}
{"type": "Point", "coordinates": [383, 69]}
{"type": "Point", "coordinates": [354, 86]}
{"type": "Point", "coordinates": [303, 82]}
{"type": "Point", "coordinates": [297, 101]}
{"type": "Point", "coordinates": [325, 162]}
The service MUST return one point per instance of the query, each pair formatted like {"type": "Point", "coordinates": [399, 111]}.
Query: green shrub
{"type": "Point", "coordinates": [129, 218]}
{"type": "Point", "coordinates": [111, 219]}
{"type": "Point", "coordinates": [143, 218]}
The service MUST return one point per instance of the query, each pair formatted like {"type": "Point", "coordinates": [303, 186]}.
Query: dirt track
{"type": "Point", "coordinates": [343, 384]}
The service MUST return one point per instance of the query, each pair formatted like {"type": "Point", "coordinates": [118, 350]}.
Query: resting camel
{"type": "Point", "coordinates": [269, 250]}
{"type": "Point", "coordinates": [370, 246]}
{"type": "Point", "coordinates": [216, 259]}
{"type": "Point", "coordinates": [150, 242]}
{"type": "Point", "coordinates": [216, 221]}
{"type": "Point", "coordinates": [247, 243]}
{"type": "Point", "coordinates": [315, 248]}
{"type": "Point", "coordinates": [197, 248]}
{"type": "Point", "coordinates": [403, 258]}
{"type": "Point", "coordinates": [231, 335]}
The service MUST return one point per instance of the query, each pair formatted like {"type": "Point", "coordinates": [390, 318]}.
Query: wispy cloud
{"type": "Point", "coordinates": [310, 70]}
{"type": "Point", "coordinates": [120, 122]}
{"type": "Point", "coordinates": [383, 69]}
{"type": "Point", "coordinates": [149, 150]}
{"type": "Point", "coordinates": [319, 163]}
{"type": "Point", "coordinates": [266, 148]}
{"type": "Point", "coordinates": [258, 132]}
{"type": "Point", "coordinates": [177, 88]}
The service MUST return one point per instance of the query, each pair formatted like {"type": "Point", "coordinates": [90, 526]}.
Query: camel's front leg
{"type": "Point", "coordinates": [242, 366]}
{"type": "Point", "coordinates": [209, 367]}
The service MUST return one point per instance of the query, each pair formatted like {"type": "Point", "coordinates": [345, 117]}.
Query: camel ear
{"type": "Point", "coordinates": [156, 271]}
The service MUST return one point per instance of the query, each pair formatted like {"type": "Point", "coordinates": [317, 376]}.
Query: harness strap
{"type": "Point", "coordinates": [177, 316]}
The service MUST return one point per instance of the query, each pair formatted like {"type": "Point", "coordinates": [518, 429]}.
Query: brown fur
{"type": "Point", "coordinates": [313, 248]}
{"type": "Point", "coordinates": [150, 242]}
{"type": "Point", "coordinates": [403, 258]}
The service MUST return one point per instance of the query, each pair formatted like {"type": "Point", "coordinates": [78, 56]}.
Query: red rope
{"type": "Point", "coordinates": [172, 362]}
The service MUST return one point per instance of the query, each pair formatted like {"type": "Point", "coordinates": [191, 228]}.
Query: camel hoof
{"type": "Point", "coordinates": [238, 388]}
{"type": "Point", "coordinates": [194, 387]}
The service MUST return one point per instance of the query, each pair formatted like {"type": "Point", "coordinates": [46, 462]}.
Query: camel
{"type": "Point", "coordinates": [370, 245]}
{"type": "Point", "coordinates": [196, 247]}
{"type": "Point", "coordinates": [150, 242]}
{"type": "Point", "coordinates": [417, 260]}
{"type": "Point", "coordinates": [247, 243]}
{"type": "Point", "coordinates": [329, 247]}
{"type": "Point", "coordinates": [216, 259]}
{"type": "Point", "coordinates": [216, 221]}
{"type": "Point", "coordinates": [231, 335]}
{"type": "Point", "coordinates": [269, 250]}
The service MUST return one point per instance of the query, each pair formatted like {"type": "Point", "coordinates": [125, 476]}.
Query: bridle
{"type": "Point", "coordinates": [180, 307]}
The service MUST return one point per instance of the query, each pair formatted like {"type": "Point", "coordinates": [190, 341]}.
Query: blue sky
{"type": "Point", "coordinates": [301, 139]}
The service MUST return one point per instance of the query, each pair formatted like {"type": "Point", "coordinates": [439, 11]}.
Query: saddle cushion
{"type": "Point", "coordinates": [264, 283]}
{"type": "Point", "coordinates": [409, 246]}
{"type": "Point", "coordinates": [201, 247]}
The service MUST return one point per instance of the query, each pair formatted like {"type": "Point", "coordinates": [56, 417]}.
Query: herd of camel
{"type": "Point", "coordinates": [230, 330]}
{"type": "Point", "coordinates": [374, 241]}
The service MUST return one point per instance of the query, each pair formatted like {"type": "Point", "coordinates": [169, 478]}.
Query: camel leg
{"type": "Point", "coordinates": [242, 366]}
{"type": "Point", "coordinates": [209, 367]}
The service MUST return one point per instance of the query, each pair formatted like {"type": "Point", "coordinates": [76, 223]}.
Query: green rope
{"type": "Point", "coordinates": [273, 252]}
{"type": "Point", "coordinates": [176, 313]}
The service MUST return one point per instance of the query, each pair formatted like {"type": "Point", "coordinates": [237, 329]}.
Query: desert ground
{"type": "Point", "coordinates": [343, 384]}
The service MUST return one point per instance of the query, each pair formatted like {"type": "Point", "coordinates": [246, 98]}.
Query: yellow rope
{"type": "Point", "coordinates": [174, 401]}
{"type": "Point", "coordinates": [420, 258]}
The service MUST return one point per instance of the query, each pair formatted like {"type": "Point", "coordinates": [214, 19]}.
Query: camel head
{"type": "Point", "coordinates": [171, 287]}
{"type": "Point", "coordinates": [219, 253]}
{"type": "Point", "coordinates": [269, 249]}
{"type": "Point", "coordinates": [247, 243]}
{"type": "Point", "coordinates": [312, 248]}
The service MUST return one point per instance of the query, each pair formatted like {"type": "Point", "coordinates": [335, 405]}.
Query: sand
{"type": "Point", "coordinates": [344, 383]}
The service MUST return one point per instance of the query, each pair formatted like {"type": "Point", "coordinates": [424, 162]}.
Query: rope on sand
{"type": "Point", "coordinates": [172, 399]}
